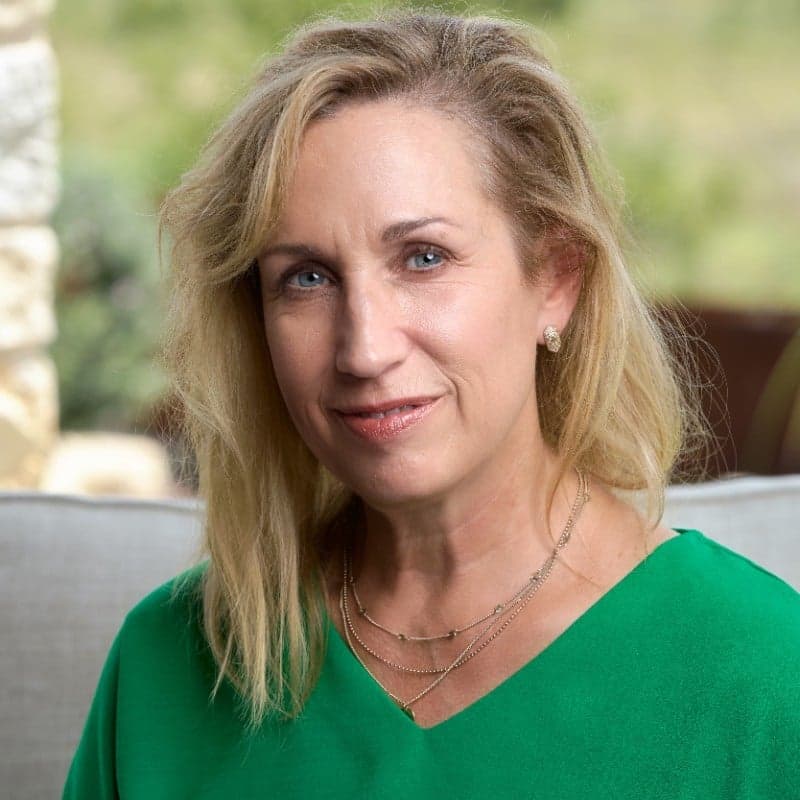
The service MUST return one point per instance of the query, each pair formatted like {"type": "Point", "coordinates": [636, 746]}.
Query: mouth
{"type": "Point", "coordinates": [381, 414]}
{"type": "Point", "coordinates": [382, 424]}
{"type": "Point", "coordinates": [386, 407]}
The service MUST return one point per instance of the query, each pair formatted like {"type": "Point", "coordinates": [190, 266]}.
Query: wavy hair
{"type": "Point", "coordinates": [619, 401]}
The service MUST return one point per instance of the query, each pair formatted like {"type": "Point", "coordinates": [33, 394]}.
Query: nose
{"type": "Point", "coordinates": [370, 336]}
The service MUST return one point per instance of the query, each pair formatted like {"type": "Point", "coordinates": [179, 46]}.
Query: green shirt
{"type": "Point", "coordinates": [682, 681]}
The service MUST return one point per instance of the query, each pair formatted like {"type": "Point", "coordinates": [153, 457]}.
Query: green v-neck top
{"type": "Point", "coordinates": [681, 681]}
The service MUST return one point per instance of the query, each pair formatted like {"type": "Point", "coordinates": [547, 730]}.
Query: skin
{"type": "Point", "coordinates": [455, 505]}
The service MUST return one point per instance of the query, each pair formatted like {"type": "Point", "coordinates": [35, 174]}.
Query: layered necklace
{"type": "Point", "coordinates": [513, 604]}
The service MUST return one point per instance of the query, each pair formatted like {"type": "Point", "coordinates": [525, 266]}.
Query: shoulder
{"type": "Point", "coordinates": [732, 609]}
{"type": "Point", "coordinates": [733, 644]}
{"type": "Point", "coordinates": [162, 652]}
{"type": "Point", "coordinates": [743, 585]}
{"type": "Point", "coordinates": [170, 610]}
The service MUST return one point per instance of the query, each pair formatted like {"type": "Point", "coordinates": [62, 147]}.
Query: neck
{"type": "Point", "coordinates": [438, 565]}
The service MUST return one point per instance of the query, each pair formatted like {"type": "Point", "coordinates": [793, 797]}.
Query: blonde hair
{"type": "Point", "coordinates": [618, 400]}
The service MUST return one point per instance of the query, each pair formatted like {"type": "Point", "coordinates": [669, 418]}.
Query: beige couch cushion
{"type": "Point", "coordinates": [70, 568]}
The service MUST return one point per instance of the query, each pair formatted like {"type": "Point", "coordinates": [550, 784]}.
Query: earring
{"type": "Point", "coordinates": [552, 339]}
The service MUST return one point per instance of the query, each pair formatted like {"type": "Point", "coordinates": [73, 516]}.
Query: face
{"type": "Point", "coordinates": [361, 311]}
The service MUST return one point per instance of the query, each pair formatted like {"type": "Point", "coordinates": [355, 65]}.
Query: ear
{"type": "Point", "coordinates": [564, 259]}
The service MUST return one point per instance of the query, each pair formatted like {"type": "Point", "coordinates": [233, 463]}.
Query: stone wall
{"type": "Point", "coordinates": [28, 246]}
{"type": "Point", "coordinates": [33, 455]}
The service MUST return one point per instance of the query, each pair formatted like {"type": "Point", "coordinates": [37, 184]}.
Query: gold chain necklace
{"type": "Point", "coordinates": [524, 595]}
{"type": "Point", "coordinates": [451, 634]}
{"type": "Point", "coordinates": [582, 496]}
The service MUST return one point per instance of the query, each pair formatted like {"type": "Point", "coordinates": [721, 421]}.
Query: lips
{"type": "Point", "coordinates": [382, 414]}
{"type": "Point", "coordinates": [386, 405]}
{"type": "Point", "coordinates": [386, 421]}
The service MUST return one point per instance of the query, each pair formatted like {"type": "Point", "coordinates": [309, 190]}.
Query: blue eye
{"type": "Point", "coordinates": [307, 280]}
{"type": "Point", "coordinates": [306, 272]}
{"type": "Point", "coordinates": [426, 252]}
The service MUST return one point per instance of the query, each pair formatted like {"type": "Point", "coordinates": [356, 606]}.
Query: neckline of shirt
{"type": "Point", "coordinates": [340, 648]}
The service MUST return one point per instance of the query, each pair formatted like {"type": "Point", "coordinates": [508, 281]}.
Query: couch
{"type": "Point", "coordinates": [71, 567]}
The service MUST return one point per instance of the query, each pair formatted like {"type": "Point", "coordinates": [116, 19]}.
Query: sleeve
{"type": "Point", "coordinates": [93, 773]}
{"type": "Point", "coordinates": [776, 705]}
{"type": "Point", "coordinates": [781, 767]}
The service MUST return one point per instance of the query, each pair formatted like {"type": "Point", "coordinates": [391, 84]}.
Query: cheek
{"type": "Point", "coordinates": [298, 359]}
{"type": "Point", "coordinates": [487, 338]}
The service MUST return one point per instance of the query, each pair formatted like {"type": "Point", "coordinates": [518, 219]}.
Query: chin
{"type": "Point", "coordinates": [395, 487]}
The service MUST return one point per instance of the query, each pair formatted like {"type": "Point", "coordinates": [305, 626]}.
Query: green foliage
{"type": "Point", "coordinates": [107, 300]}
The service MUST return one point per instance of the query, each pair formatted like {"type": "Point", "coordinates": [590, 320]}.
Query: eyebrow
{"type": "Point", "coordinates": [396, 230]}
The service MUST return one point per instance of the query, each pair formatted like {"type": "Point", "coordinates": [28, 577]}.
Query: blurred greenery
{"type": "Point", "coordinates": [106, 299]}
{"type": "Point", "coordinates": [695, 101]}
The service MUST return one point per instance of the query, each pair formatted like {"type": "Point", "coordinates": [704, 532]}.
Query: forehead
{"type": "Point", "coordinates": [374, 162]}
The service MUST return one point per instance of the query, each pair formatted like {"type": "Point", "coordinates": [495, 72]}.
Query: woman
{"type": "Point", "coordinates": [419, 382]}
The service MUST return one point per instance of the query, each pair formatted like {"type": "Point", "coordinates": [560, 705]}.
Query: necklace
{"type": "Point", "coordinates": [451, 634]}
{"type": "Point", "coordinates": [582, 496]}
{"type": "Point", "coordinates": [517, 603]}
